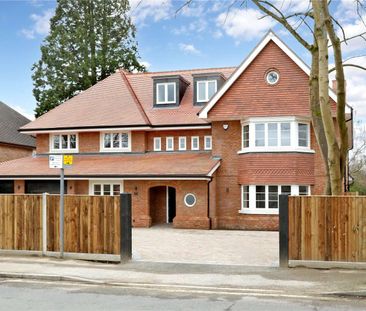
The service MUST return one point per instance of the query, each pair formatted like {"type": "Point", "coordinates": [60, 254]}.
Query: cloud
{"type": "Point", "coordinates": [41, 25]}
{"type": "Point", "coordinates": [142, 10]}
{"type": "Point", "coordinates": [146, 64]}
{"type": "Point", "coordinates": [188, 48]}
{"type": "Point", "coordinates": [244, 24]}
{"type": "Point", "coordinates": [353, 29]}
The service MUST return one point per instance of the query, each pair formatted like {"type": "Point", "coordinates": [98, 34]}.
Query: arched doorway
{"type": "Point", "coordinates": [162, 204]}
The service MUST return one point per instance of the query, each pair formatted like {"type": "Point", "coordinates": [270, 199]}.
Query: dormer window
{"type": "Point", "coordinates": [205, 90]}
{"type": "Point", "coordinates": [166, 93]}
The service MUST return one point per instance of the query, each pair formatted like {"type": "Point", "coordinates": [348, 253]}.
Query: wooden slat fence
{"type": "Point", "coordinates": [91, 224]}
{"type": "Point", "coordinates": [21, 222]}
{"type": "Point", "coordinates": [327, 228]}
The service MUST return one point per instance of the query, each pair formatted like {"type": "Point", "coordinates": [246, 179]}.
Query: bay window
{"type": "Point", "coordinates": [271, 135]}
{"type": "Point", "coordinates": [264, 199]}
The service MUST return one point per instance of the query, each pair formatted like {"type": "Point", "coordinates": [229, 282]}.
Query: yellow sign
{"type": "Point", "coordinates": [68, 159]}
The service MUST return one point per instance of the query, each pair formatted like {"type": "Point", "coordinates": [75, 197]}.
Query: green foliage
{"type": "Point", "coordinates": [359, 184]}
{"type": "Point", "coordinates": [88, 41]}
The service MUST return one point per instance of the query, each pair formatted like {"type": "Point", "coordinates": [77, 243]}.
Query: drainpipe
{"type": "Point", "coordinates": [346, 173]}
{"type": "Point", "coordinates": [208, 203]}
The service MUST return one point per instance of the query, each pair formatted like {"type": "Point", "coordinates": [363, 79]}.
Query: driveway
{"type": "Point", "coordinates": [228, 247]}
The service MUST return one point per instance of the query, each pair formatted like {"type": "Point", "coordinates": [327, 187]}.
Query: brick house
{"type": "Point", "coordinates": [13, 145]}
{"type": "Point", "coordinates": [202, 148]}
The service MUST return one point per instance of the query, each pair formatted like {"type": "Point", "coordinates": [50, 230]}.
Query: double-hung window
{"type": "Point", "coordinates": [303, 135]}
{"type": "Point", "coordinates": [166, 93]}
{"type": "Point", "coordinates": [205, 90]}
{"type": "Point", "coordinates": [116, 141]}
{"type": "Point", "coordinates": [182, 143]}
{"type": "Point", "coordinates": [208, 142]}
{"type": "Point", "coordinates": [169, 143]}
{"type": "Point", "coordinates": [64, 142]}
{"type": "Point", "coordinates": [195, 143]}
{"type": "Point", "coordinates": [157, 143]}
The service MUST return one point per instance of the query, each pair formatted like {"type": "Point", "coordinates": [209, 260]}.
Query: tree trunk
{"type": "Point", "coordinates": [316, 114]}
{"type": "Point", "coordinates": [341, 87]}
{"type": "Point", "coordinates": [326, 112]}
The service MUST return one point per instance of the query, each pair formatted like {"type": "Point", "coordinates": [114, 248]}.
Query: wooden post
{"type": "Point", "coordinates": [44, 224]}
{"type": "Point", "coordinates": [125, 227]}
{"type": "Point", "coordinates": [283, 230]}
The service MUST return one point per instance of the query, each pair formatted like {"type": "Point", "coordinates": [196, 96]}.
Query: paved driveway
{"type": "Point", "coordinates": [229, 247]}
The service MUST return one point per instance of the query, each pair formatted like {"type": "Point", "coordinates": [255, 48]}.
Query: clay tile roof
{"type": "Point", "coordinates": [186, 113]}
{"type": "Point", "coordinates": [139, 165]}
{"type": "Point", "coordinates": [10, 122]}
{"type": "Point", "coordinates": [107, 103]}
{"type": "Point", "coordinates": [124, 99]}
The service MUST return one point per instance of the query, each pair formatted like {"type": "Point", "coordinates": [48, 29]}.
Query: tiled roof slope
{"type": "Point", "coordinates": [186, 113]}
{"type": "Point", "coordinates": [124, 99]}
{"type": "Point", "coordinates": [150, 164]}
{"type": "Point", "coordinates": [10, 122]}
{"type": "Point", "coordinates": [107, 103]}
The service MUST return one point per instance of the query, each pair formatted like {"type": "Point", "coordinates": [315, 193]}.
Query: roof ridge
{"type": "Point", "coordinates": [178, 70]}
{"type": "Point", "coordinates": [134, 96]}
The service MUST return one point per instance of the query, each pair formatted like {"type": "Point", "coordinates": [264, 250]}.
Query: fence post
{"type": "Point", "coordinates": [125, 227]}
{"type": "Point", "coordinates": [283, 230]}
{"type": "Point", "coordinates": [44, 223]}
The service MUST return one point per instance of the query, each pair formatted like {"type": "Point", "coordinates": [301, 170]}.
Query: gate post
{"type": "Point", "coordinates": [283, 230]}
{"type": "Point", "coordinates": [125, 227]}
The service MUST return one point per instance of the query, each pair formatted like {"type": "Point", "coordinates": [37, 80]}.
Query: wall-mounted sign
{"type": "Point", "coordinates": [68, 159]}
{"type": "Point", "coordinates": [55, 161]}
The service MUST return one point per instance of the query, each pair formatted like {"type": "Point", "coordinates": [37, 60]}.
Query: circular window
{"type": "Point", "coordinates": [190, 199]}
{"type": "Point", "coordinates": [272, 77]}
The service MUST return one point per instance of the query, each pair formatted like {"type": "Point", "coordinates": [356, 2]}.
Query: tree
{"type": "Point", "coordinates": [88, 40]}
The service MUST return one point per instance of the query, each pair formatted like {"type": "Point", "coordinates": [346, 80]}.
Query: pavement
{"type": "Point", "coordinates": [257, 281]}
{"type": "Point", "coordinates": [228, 247]}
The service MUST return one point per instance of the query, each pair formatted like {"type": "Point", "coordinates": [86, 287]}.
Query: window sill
{"type": "Point", "coordinates": [258, 211]}
{"type": "Point", "coordinates": [63, 151]}
{"type": "Point", "coordinates": [275, 150]}
{"type": "Point", "coordinates": [115, 150]}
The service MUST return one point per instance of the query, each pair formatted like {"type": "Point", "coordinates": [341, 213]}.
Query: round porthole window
{"type": "Point", "coordinates": [272, 77]}
{"type": "Point", "coordinates": [190, 199]}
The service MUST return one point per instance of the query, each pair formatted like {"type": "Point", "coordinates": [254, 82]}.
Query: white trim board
{"type": "Point", "coordinates": [270, 36]}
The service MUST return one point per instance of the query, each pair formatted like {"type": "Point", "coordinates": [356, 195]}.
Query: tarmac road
{"type": "Point", "coordinates": [20, 294]}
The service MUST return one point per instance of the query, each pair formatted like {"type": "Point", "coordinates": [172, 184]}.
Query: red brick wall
{"type": "Point", "coordinates": [276, 168]}
{"type": "Point", "coordinates": [176, 134]}
{"type": "Point", "coordinates": [42, 143]}
{"type": "Point", "coordinates": [251, 96]}
{"type": "Point", "coordinates": [10, 152]}
{"type": "Point", "coordinates": [89, 142]}
{"type": "Point", "coordinates": [19, 186]}
{"type": "Point", "coordinates": [138, 140]}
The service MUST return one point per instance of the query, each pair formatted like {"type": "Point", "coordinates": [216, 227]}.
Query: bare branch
{"type": "Point", "coordinates": [185, 4]}
{"type": "Point", "coordinates": [282, 20]}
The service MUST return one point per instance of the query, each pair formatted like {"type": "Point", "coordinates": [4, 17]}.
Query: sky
{"type": "Point", "coordinates": [204, 34]}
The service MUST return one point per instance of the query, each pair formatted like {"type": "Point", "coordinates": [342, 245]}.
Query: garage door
{"type": "Point", "coordinates": [6, 186]}
{"type": "Point", "coordinates": [42, 186]}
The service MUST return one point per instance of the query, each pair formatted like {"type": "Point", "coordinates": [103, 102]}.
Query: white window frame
{"type": "Point", "coordinates": [192, 143]}
{"type": "Point", "coordinates": [294, 131]}
{"type": "Point", "coordinates": [105, 182]}
{"type": "Point", "coordinates": [204, 82]}
{"type": "Point", "coordinates": [166, 93]}
{"type": "Point", "coordinates": [63, 150]}
{"type": "Point", "coordinates": [308, 134]}
{"type": "Point", "coordinates": [252, 209]}
{"type": "Point", "coordinates": [210, 138]}
{"type": "Point", "coordinates": [157, 139]}
{"type": "Point", "coordinates": [115, 149]}
{"type": "Point", "coordinates": [167, 148]}
{"type": "Point", "coordinates": [183, 138]}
